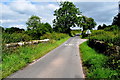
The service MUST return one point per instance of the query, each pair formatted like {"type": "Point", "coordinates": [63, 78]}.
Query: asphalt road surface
{"type": "Point", "coordinates": [62, 62]}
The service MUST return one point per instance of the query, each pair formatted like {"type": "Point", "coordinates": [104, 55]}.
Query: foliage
{"type": "Point", "coordinates": [1, 29]}
{"type": "Point", "coordinates": [96, 63]}
{"type": "Point", "coordinates": [54, 36]}
{"type": "Point", "coordinates": [48, 27]}
{"type": "Point", "coordinates": [114, 62]}
{"type": "Point", "coordinates": [33, 22]}
{"type": "Point", "coordinates": [86, 23]}
{"type": "Point", "coordinates": [24, 55]}
{"type": "Point", "coordinates": [106, 36]}
{"type": "Point", "coordinates": [111, 38]}
{"type": "Point", "coordinates": [40, 31]}
{"type": "Point", "coordinates": [36, 28]}
{"type": "Point", "coordinates": [15, 37]}
{"type": "Point", "coordinates": [84, 35]}
{"type": "Point", "coordinates": [116, 20]}
{"type": "Point", "coordinates": [75, 32]}
{"type": "Point", "coordinates": [112, 28]}
{"type": "Point", "coordinates": [102, 27]}
{"type": "Point", "coordinates": [66, 17]}
{"type": "Point", "coordinates": [13, 30]}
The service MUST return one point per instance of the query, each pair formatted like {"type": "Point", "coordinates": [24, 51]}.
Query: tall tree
{"type": "Point", "coordinates": [36, 28]}
{"type": "Point", "coordinates": [33, 22]}
{"type": "Point", "coordinates": [2, 29]}
{"type": "Point", "coordinates": [99, 27]}
{"type": "Point", "coordinates": [86, 23]}
{"type": "Point", "coordinates": [116, 20]}
{"type": "Point", "coordinates": [13, 30]}
{"type": "Point", "coordinates": [66, 17]}
{"type": "Point", "coordinates": [91, 23]}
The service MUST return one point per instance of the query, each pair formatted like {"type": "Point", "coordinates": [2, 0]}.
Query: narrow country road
{"type": "Point", "coordinates": [62, 62]}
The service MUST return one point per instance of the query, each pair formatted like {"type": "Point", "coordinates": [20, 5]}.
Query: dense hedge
{"type": "Point", "coordinates": [113, 53]}
{"type": "Point", "coordinates": [107, 42]}
{"type": "Point", "coordinates": [95, 64]}
{"type": "Point", "coordinates": [15, 37]}
{"type": "Point", "coordinates": [106, 36]}
{"type": "Point", "coordinates": [54, 36]}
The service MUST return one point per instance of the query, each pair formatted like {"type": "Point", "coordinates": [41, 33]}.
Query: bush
{"type": "Point", "coordinates": [54, 36]}
{"type": "Point", "coordinates": [96, 63]}
{"type": "Point", "coordinates": [107, 42]}
{"type": "Point", "coordinates": [106, 36]}
{"type": "Point", "coordinates": [15, 37]}
{"type": "Point", "coordinates": [112, 28]}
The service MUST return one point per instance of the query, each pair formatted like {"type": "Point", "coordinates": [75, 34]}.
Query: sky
{"type": "Point", "coordinates": [15, 13]}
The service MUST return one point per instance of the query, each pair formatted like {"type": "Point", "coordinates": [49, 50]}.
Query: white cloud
{"type": "Point", "coordinates": [11, 21]}
{"type": "Point", "coordinates": [52, 6]}
{"type": "Point", "coordinates": [18, 12]}
{"type": "Point", "coordinates": [75, 0]}
{"type": "Point", "coordinates": [64, 0]}
{"type": "Point", "coordinates": [6, 10]}
{"type": "Point", "coordinates": [102, 12]}
{"type": "Point", "coordinates": [18, 26]}
{"type": "Point", "coordinates": [23, 7]}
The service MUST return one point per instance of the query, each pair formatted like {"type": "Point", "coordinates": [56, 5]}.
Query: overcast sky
{"type": "Point", "coordinates": [16, 12]}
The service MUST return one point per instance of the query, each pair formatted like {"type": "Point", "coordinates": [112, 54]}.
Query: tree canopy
{"type": "Point", "coordinates": [116, 20]}
{"type": "Point", "coordinates": [102, 27]}
{"type": "Point", "coordinates": [13, 30]}
{"type": "Point", "coordinates": [33, 22]}
{"type": "Point", "coordinates": [36, 28]}
{"type": "Point", "coordinates": [66, 17]}
{"type": "Point", "coordinates": [86, 23]}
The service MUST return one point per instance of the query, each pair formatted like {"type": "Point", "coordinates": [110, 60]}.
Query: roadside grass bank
{"type": "Point", "coordinates": [94, 63]}
{"type": "Point", "coordinates": [12, 62]}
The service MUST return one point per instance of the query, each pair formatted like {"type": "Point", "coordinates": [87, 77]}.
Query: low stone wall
{"type": "Point", "coordinates": [104, 48]}
{"type": "Point", "coordinates": [25, 43]}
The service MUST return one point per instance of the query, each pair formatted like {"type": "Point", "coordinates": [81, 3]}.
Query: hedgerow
{"type": "Point", "coordinates": [15, 37]}
{"type": "Point", "coordinates": [107, 41]}
{"type": "Point", "coordinates": [106, 36]}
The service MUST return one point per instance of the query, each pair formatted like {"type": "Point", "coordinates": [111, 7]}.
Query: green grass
{"type": "Point", "coordinates": [12, 62]}
{"type": "Point", "coordinates": [95, 63]}
{"type": "Point", "coordinates": [106, 36]}
{"type": "Point", "coordinates": [74, 32]}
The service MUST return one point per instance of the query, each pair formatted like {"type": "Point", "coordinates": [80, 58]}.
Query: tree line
{"type": "Point", "coordinates": [68, 15]}
{"type": "Point", "coordinates": [115, 24]}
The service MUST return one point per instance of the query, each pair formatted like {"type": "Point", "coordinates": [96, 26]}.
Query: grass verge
{"type": "Point", "coordinates": [95, 63]}
{"type": "Point", "coordinates": [24, 55]}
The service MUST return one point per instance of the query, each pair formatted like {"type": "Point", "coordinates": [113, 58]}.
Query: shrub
{"type": "Point", "coordinates": [54, 36]}
{"type": "Point", "coordinates": [111, 28]}
{"type": "Point", "coordinates": [96, 63]}
{"type": "Point", "coordinates": [110, 38]}
{"type": "Point", "coordinates": [15, 37]}
{"type": "Point", "coordinates": [106, 36]}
